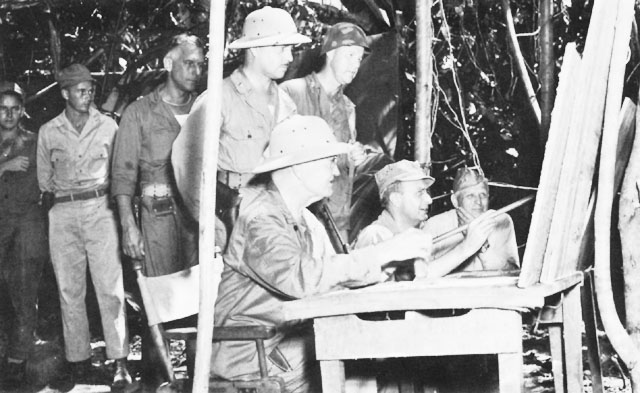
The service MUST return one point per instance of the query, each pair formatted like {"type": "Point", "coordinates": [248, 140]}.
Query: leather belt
{"type": "Point", "coordinates": [80, 196]}
{"type": "Point", "coordinates": [234, 180]}
{"type": "Point", "coordinates": [157, 190]}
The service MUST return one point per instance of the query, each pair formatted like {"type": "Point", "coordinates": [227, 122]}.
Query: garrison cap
{"type": "Point", "coordinates": [72, 75]}
{"type": "Point", "coordinates": [400, 171]}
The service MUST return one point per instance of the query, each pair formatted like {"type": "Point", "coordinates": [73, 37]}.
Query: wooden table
{"type": "Point", "coordinates": [493, 325]}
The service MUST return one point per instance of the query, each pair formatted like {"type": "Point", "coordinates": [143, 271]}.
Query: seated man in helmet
{"type": "Point", "coordinates": [278, 251]}
{"type": "Point", "coordinates": [470, 199]}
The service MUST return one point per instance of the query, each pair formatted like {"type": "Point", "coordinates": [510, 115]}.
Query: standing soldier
{"type": "Point", "coordinates": [23, 239]}
{"type": "Point", "coordinates": [322, 94]}
{"type": "Point", "coordinates": [73, 164]}
{"type": "Point", "coordinates": [252, 104]}
{"type": "Point", "coordinates": [168, 241]}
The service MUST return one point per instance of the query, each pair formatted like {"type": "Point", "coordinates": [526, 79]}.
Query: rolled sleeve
{"type": "Point", "coordinates": [126, 154]}
{"type": "Point", "coordinates": [43, 163]}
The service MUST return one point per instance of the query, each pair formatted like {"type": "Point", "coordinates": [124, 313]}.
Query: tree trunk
{"type": "Point", "coordinates": [424, 37]}
{"type": "Point", "coordinates": [547, 68]}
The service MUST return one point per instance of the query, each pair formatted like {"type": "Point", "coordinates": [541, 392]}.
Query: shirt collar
{"type": "Point", "coordinates": [243, 84]}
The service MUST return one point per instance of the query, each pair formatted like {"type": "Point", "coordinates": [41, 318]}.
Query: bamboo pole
{"type": "Point", "coordinates": [210, 262]}
{"type": "Point", "coordinates": [424, 37]}
{"type": "Point", "coordinates": [517, 54]}
{"type": "Point", "coordinates": [547, 68]}
{"type": "Point", "coordinates": [616, 332]}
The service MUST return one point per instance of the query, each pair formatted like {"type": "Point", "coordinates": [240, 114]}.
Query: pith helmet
{"type": "Point", "coordinates": [300, 139]}
{"type": "Point", "coordinates": [268, 27]}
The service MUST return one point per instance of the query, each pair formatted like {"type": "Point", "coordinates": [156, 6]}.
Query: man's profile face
{"type": "Point", "coordinates": [273, 61]}
{"type": "Point", "coordinates": [79, 96]}
{"type": "Point", "coordinates": [186, 67]}
{"type": "Point", "coordinates": [11, 110]}
{"type": "Point", "coordinates": [317, 176]}
{"type": "Point", "coordinates": [345, 62]}
{"type": "Point", "coordinates": [474, 199]}
{"type": "Point", "coordinates": [414, 200]}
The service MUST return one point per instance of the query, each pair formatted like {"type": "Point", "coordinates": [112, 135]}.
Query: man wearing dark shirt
{"type": "Point", "coordinates": [23, 239]}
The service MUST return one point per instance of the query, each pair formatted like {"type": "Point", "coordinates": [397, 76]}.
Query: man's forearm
{"type": "Point", "coordinates": [125, 211]}
{"type": "Point", "coordinates": [443, 265]}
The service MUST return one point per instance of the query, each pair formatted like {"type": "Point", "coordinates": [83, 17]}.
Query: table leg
{"type": "Point", "coordinates": [333, 379]}
{"type": "Point", "coordinates": [572, 321]}
{"type": "Point", "coordinates": [510, 372]}
{"type": "Point", "coordinates": [557, 357]}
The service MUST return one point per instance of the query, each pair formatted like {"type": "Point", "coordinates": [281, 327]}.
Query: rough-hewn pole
{"type": "Point", "coordinates": [624, 345]}
{"type": "Point", "coordinates": [424, 37]}
{"type": "Point", "coordinates": [547, 68]}
{"type": "Point", "coordinates": [517, 54]}
{"type": "Point", "coordinates": [210, 267]}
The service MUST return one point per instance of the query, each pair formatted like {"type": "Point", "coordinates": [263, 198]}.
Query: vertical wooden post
{"type": "Point", "coordinates": [547, 68]}
{"type": "Point", "coordinates": [210, 262]}
{"type": "Point", "coordinates": [424, 36]}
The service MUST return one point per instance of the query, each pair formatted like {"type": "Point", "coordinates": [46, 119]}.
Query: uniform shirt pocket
{"type": "Point", "coordinates": [63, 165]}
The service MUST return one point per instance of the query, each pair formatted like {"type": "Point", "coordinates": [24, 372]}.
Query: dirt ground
{"type": "Point", "coordinates": [48, 354]}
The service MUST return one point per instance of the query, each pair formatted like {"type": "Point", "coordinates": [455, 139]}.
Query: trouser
{"type": "Point", "coordinates": [81, 233]}
{"type": "Point", "coordinates": [293, 359]}
{"type": "Point", "coordinates": [23, 252]}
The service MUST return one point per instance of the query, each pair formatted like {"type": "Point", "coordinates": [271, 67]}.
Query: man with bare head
{"type": "Point", "coordinates": [167, 241]}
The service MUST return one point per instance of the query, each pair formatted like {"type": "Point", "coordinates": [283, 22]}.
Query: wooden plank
{"type": "Point", "coordinates": [483, 331]}
{"type": "Point", "coordinates": [589, 316]}
{"type": "Point", "coordinates": [416, 295]}
{"type": "Point", "coordinates": [572, 335]}
{"type": "Point", "coordinates": [557, 358]}
{"type": "Point", "coordinates": [579, 159]}
{"type": "Point", "coordinates": [550, 175]}
{"type": "Point", "coordinates": [332, 376]}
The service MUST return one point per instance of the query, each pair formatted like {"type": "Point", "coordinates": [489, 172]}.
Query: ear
{"type": "Point", "coordinates": [454, 200]}
{"type": "Point", "coordinates": [167, 62]}
{"type": "Point", "coordinates": [65, 94]}
{"type": "Point", "coordinates": [394, 198]}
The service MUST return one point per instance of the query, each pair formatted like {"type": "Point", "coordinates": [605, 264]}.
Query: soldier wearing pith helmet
{"type": "Point", "coordinates": [252, 104]}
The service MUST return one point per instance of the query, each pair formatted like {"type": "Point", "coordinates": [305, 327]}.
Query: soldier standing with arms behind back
{"type": "Point", "coordinates": [73, 163]}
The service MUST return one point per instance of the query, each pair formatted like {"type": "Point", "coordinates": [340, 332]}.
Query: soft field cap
{"type": "Point", "coordinates": [73, 75]}
{"type": "Point", "coordinates": [403, 170]}
{"type": "Point", "coordinates": [300, 139]}
{"type": "Point", "coordinates": [468, 177]}
{"type": "Point", "coordinates": [344, 34]}
{"type": "Point", "coordinates": [268, 27]}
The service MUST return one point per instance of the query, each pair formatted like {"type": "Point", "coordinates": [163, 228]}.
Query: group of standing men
{"type": "Point", "coordinates": [301, 134]}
